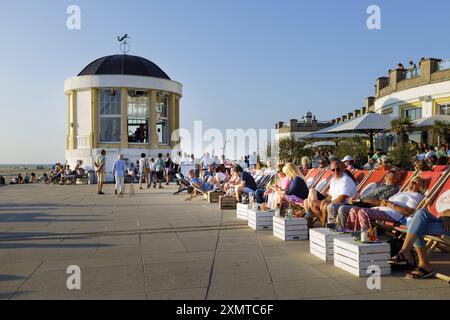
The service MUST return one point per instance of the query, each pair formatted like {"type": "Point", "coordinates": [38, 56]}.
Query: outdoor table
{"type": "Point", "coordinates": [242, 211]}
{"type": "Point", "coordinates": [260, 220]}
{"type": "Point", "coordinates": [290, 229]}
{"type": "Point", "coordinates": [356, 257]}
{"type": "Point", "coordinates": [321, 242]}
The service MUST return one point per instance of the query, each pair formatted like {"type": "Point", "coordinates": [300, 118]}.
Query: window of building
{"type": "Point", "coordinates": [138, 116]}
{"type": "Point", "coordinates": [110, 115]}
{"type": "Point", "coordinates": [444, 109]}
{"type": "Point", "coordinates": [162, 117]}
{"type": "Point", "coordinates": [413, 113]}
{"type": "Point", "coordinates": [388, 111]}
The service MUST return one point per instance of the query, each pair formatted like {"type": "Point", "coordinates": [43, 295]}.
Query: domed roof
{"type": "Point", "coordinates": [124, 64]}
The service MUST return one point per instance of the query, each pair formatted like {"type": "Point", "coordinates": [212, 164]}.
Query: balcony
{"type": "Point", "coordinates": [430, 71]}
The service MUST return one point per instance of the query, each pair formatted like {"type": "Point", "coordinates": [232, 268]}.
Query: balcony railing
{"type": "Point", "coordinates": [444, 65]}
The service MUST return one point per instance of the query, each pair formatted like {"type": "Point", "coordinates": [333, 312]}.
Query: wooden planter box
{"type": "Point", "coordinates": [227, 203]}
{"type": "Point", "coordinates": [260, 220]}
{"type": "Point", "coordinates": [321, 242]}
{"type": "Point", "coordinates": [242, 211]}
{"type": "Point", "coordinates": [290, 229]}
{"type": "Point", "coordinates": [356, 257]}
{"type": "Point", "coordinates": [213, 197]}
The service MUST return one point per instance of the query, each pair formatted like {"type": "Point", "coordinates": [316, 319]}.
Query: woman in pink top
{"type": "Point", "coordinates": [281, 186]}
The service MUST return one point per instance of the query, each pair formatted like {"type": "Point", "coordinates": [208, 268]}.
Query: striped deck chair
{"type": "Point", "coordinates": [262, 183]}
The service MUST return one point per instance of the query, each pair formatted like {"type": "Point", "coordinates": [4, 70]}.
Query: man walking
{"type": "Point", "coordinates": [99, 164]}
{"type": "Point", "coordinates": [119, 172]}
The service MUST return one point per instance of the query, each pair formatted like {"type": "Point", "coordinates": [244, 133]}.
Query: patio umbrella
{"type": "Point", "coordinates": [331, 137]}
{"type": "Point", "coordinates": [369, 124]}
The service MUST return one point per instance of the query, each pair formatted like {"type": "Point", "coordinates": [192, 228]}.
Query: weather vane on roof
{"type": "Point", "coordinates": [124, 45]}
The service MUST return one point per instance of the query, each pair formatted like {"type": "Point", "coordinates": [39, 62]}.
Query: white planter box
{"type": "Point", "coordinates": [260, 220]}
{"type": "Point", "coordinates": [321, 242]}
{"type": "Point", "coordinates": [356, 257]}
{"type": "Point", "coordinates": [242, 211]}
{"type": "Point", "coordinates": [290, 229]}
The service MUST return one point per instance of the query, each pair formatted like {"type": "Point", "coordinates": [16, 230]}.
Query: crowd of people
{"type": "Point", "coordinates": [341, 206]}
{"type": "Point", "coordinates": [27, 178]}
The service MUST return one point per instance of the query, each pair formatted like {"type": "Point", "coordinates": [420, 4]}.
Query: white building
{"type": "Point", "coordinates": [418, 94]}
{"type": "Point", "coordinates": [123, 104]}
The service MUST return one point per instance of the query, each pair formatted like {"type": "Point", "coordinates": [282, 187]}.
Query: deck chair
{"type": "Point", "coordinates": [360, 175]}
{"type": "Point", "coordinates": [407, 178]}
{"type": "Point", "coordinates": [374, 179]}
{"type": "Point", "coordinates": [440, 168]}
{"type": "Point", "coordinates": [438, 185]}
{"type": "Point", "coordinates": [196, 192]}
{"type": "Point", "coordinates": [262, 183]}
{"type": "Point", "coordinates": [184, 184]}
{"type": "Point", "coordinates": [313, 175]}
{"type": "Point", "coordinates": [435, 204]}
{"type": "Point", "coordinates": [323, 182]}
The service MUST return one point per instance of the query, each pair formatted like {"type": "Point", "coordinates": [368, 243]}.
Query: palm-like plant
{"type": "Point", "coordinates": [442, 130]}
{"type": "Point", "coordinates": [402, 127]}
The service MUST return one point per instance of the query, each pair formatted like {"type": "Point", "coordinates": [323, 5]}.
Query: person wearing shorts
{"type": "Point", "coordinates": [100, 170]}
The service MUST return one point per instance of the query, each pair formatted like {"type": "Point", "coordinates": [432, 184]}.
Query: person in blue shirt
{"type": "Point", "coordinates": [247, 185]}
{"type": "Point", "coordinates": [199, 183]}
{"type": "Point", "coordinates": [119, 171]}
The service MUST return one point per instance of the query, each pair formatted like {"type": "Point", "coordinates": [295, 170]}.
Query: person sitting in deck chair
{"type": "Point", "coordinates": [232, 181]}
{"type": "Point", "coordinates": [219, 177]}
{"type": "Point", "coordinates": [422, 223]}
{"type": "Point", "coordinates": [396, 209]}
{"type": "Point", "coordinates": [247, 183]}
{"type": "Point", "coordinates": [297, 190]}
{"type": "Point", "coordinates": [199, 184]}
{"type": "Point", "coordinates": [391, 185]}
{"type": "Point", "coordinates": [342, 188]}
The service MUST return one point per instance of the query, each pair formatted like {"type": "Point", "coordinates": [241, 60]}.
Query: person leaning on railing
{"type": "Point", "coordinates": [422, 223]}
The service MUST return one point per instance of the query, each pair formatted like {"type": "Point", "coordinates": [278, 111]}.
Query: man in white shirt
{"type": "Point", "coordinates": [342, 187]}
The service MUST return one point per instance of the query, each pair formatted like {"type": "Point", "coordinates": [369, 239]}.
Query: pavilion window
{"type": "Point", "coordinates": [138, 116]}
{"type": "Point", "coordinates": [162, 118]}
{"type": "Point", "coordinates": [110, 115]}
{"type": "Point", "coordinates": [444, 109]}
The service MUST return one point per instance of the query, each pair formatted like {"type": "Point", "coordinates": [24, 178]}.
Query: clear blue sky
{"type": "Point", "coordinates": [246, 63]}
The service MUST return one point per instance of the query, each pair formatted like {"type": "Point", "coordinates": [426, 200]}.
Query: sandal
{"type": "Point", "coordinates": [400, 260]}
{"type": "Point", "coordinates": [419, 273]}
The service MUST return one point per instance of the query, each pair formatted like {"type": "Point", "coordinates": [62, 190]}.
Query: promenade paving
{"type": "Point", "coordinates": [153, 245]}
